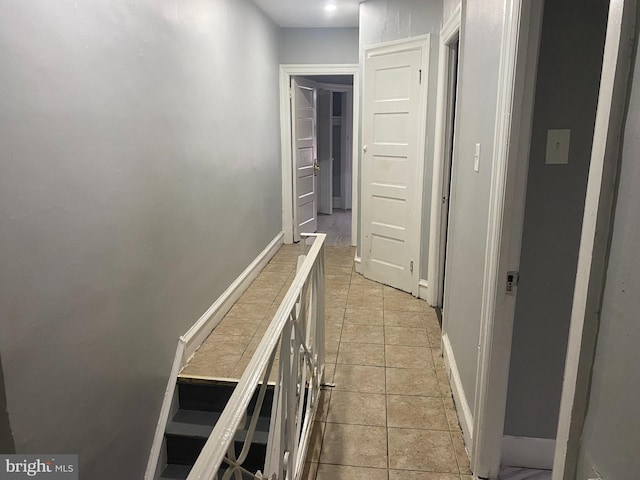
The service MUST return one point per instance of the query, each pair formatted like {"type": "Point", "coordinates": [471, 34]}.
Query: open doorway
{"type": "Point", "coordinates": [444, 153]}
{"type": "Point", "coordinates": [333, 175]}
{"type": "Point", "coordinates": [319, 120]}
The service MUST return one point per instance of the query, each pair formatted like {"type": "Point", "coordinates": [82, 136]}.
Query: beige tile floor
{"type": "Point", "coordinates": [390, 415]}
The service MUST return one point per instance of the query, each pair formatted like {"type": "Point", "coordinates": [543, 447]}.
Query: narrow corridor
{"type": "Point", "coordinates": [390, 415]}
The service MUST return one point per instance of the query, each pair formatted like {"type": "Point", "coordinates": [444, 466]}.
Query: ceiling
{"type": "Point", "coordinates": [311, 13]}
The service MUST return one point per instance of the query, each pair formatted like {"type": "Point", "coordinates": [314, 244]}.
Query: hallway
{"type": "Point", "coordinates": [337, 226]}
{"type": "Point", "coordinates": [390, 415]}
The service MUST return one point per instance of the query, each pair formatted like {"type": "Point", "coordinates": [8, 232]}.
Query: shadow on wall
{"type": "Point", "coordinates": [6, 437]}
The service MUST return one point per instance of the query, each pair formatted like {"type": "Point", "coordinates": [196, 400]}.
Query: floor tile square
{"type": "Point", "coordinates": [358, 279]}
{"type": "Point", "coordinates": [366, 291]}
{"type": "Point", "coordinates": [336, 300]}
{"type": "Point", "coordinates": [341, 472]}
{"type": "Point", "coordinates": [361, 354]}
{"type": "Point", "coordinates": [357, 409]}
{"type": "Point", "coordinates": [332, 332]}
{"type": "Point", "coordinates": [416, 337]}
{"type": "Point", "coordinates": [224, 345]}
{"type": "Point", "coordinates": [362, 334]}
{"type": "Point", "coordinates": [247, 311]}
{"type": "Point", "coordinates": [424, 450]}
{"type": "Point", "coordinates": [337, 279]}
{"type": "Point", "coordinates": [330, 352]}
{"type": "Point", "coordinates": [338, 269]}
{"type": "Point", "coordinates": [416, 412]}
{"type": "Point", "coordinates": [355, 300]}
{"type": "Point", "coordinates": [403, 304]}
{"type": "Point", "coordinates": [394, 293]}
{"type": "Point", "coordinates": [355, 445]}
{"type": "Point", "coordinates": [333, 315]}
{"type": "Point", "coordinates": [236, 328]}
{"type": "Point", "coordinates": [407, 381]}
{"type": "Point", "coordinates": [359, 378]}
{"type": "Point", "coordinates": [211, 365]}
{"type": "Point", "coordinates": [413, 475]}
{"type": "Point", "coordinates": [393, 318]}
{"type": "Point", "coordinates": [400, 356]}
{"type": "Point", "coordinates": [363, 316]}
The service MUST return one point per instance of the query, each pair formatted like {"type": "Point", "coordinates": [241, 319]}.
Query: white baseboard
{"type": "Point", "coordinates": [423, 289]}
{"type": "Point", "coordinates": [216, 312]}
{"type": "Point", "coordinates": [358, 263]}
{"type": "Point", "coordinates": [528, 452]}
{"type": "Point", "coordinates": [191, 341]}
{"type": "Point", "coordinates": [462, 404]}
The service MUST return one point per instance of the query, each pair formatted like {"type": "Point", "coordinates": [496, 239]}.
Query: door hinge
{"type": "Point", "coordinates": [513, 278]}
{"type": "Point", "coordinates": [420, 76]}
{"type": "Point", "coordinates": [411, 266]}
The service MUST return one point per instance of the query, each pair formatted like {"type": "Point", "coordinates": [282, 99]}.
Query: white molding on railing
{"type": "Point", "coordinates": [193, 338]}
{"type": "Point", "coordinates": [289, 434]}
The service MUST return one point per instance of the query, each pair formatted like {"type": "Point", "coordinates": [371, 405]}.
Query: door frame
{"type": "Point", "coordinates": [595, 238]}
{"type": "Point", "coordinates": [449, 33]}
{"type": "Point", "coordinates": [286, 72]}
{"type": "Point", "coordinates": [509, 171]}
{"type": "Point", "coordinates": [424, 43]}
{"type": "Point", "coordinates": [508, 189]}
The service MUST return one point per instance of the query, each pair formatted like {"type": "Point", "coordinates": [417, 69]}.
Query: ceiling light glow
{"type": "Point", "coordinates": [330, 7]}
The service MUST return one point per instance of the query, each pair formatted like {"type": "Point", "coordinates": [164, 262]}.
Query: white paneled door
{"type": "Point", "coordinates": [305, 145]}
{"type": "Point", "coordinates": [393, 161]}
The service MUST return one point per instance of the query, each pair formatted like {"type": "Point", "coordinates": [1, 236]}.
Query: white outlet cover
{"type": "Point", "coordinates": [558, 146]}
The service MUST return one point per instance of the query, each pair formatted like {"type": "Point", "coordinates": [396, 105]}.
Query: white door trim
{"type": "Point", "coordinates": [517, 73]}
{"type": "Point", "coordinates": [594, 240]}
{"type": "Point", "coordinates": [448, 35]}
{"type": "Point", "coordinates": [286, 72]}
{"type": "Point", "coordinates": [423, 42]}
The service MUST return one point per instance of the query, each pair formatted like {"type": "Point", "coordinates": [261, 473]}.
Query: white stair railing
{"type": "Point", "coordinates": [293, 345]}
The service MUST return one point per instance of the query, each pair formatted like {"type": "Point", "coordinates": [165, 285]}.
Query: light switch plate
{"type": "Point", "coordinates": [558, 146]}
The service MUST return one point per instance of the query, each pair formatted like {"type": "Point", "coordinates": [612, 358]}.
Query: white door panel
{"type": "Point", "coordinates": [303, 108]}
{"type": "Point", "coordinates": [392, 163]}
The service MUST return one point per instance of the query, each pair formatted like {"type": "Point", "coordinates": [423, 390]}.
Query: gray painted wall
{"type": "Point", "coordinates": [612, 429]}
{"type": "Point", "coordinates": [449, 7]}
{"type": "Point", "coordinates": [319, 45]}
{"type": "Point", "coordinates": [482, 23]}
{"type": "Point", "coordinates": [139, 146]}
{"type": "Point", "coordinates": [385, 21]}
{"type": "Point", "coordinates": [566, 97]}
